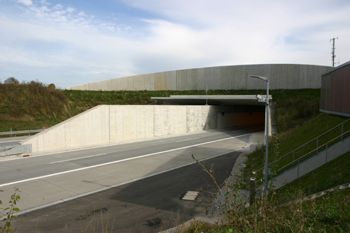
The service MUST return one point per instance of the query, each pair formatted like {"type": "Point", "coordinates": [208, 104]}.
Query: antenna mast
{"type": "Point", "coordinates": [333, 50]}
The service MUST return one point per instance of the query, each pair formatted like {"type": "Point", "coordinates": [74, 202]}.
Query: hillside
{"type": "Point", "coordinates": [33, 105]}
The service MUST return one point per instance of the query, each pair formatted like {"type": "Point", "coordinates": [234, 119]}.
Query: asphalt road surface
{"type": "Point", "coordinates": [148, 205]}
{"type": "Point", "coordinates": [77, 186]}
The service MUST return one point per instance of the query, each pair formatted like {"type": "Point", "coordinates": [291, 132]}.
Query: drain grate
{"type": "Point", "coordinates": [190, 196]}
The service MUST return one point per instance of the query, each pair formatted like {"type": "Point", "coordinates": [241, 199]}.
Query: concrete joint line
{"type": "Point", "coordinates": [118, 161]}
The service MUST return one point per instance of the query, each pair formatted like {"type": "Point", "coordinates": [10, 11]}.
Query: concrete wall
{"type": "Point", "coordinates": [106, 124]}
{"type": "Point", "coordinates": [282, 76]}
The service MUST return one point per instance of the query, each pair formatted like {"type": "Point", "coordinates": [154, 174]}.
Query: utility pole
{"type": "Point", "coordinates": [333, 50]}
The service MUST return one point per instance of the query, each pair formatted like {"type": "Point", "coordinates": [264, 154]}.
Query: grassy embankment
{"type": "Point", "coordinates": [35, 106]}
{"type": "Point", "coordinates": [329, 213]}
{"type": "Point", "coordinates": [31, 106]}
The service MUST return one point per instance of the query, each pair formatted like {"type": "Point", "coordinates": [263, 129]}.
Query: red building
{"type": "Point", "coordinates": [335, 91]}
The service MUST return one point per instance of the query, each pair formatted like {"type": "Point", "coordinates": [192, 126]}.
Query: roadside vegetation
{"type": "Point", "coordinates": [31, 105]}
{"type": "Point", "coordinates": [328, 213]}
{"type": "Point", "coordinates": [284, 142]}
{"type": "Point", "coordinates": [34, 105]}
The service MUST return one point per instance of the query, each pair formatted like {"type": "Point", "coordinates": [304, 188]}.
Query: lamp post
{"type": "Point", "coordinates": [266, 100]}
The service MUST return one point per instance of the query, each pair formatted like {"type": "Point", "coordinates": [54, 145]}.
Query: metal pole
{"type": "Point", "coordinates": [267, 137]}
{"type": "Point", "coordinates": [266, 79]}
{"type": "Point", "coordinates": [252, 191]}
{"type": "Point", "coordinates": [342, 131]}
{"type": "Point", "coordinates": [333, 52]}
{"type": "Point", "coordinates": [298, 168]}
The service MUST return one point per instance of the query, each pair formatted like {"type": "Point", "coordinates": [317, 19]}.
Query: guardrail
{"type": "Point", "coordinates": [21, 132]}
{"type": "Point", "coordinates": [309, 149]}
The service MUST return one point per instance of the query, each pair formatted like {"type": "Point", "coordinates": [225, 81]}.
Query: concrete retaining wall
{"type": "Point", "coordinates": [106, 124]}
{"type": "Point", "coordinates": [282, 76]}
{"type": "Point", "coordinates": [312, 163]}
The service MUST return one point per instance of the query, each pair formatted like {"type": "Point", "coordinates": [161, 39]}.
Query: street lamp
{"type": "Point", "coordinates": [266, 100]}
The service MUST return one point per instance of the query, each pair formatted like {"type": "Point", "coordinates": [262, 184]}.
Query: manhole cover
{"type": "Point", "coordinates": [190, 196]}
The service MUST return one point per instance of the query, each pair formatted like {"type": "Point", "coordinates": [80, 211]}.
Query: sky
{"type": "Point", "coordinates": [68, 42]}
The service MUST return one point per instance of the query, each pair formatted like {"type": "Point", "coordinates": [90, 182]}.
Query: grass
{"type": "Point", "coordinates": [33, 105]}
{"type": "Point", "coordinates": [286, 142]}
{"type": "Point", "coordinates": [329, 213]}
{"type": "Point", "coordinates": [334, 173]}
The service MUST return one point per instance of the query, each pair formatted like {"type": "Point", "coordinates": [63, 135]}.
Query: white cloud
{"type": "Point", "coordinates": [25, 2]}
{"type": "Point", "coordinates": [181, 34]}
{"type": "Point", "coordinates": [70, 9]}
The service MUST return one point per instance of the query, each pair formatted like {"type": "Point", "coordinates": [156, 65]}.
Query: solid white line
{"type": "Point", "coordinates": [188, 139]}
{"type": "Point", "coordinates": [117, 185]}
{"type": "Point", "coordinates": [118, 161]}
{"type": "Point", "coordinates": [61, 161]}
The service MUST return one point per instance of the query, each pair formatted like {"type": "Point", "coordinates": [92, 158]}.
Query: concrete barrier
{"type": "Point", "coordinates": [107, 124]}
{"type": "Point", "coordinates": [282, 76]}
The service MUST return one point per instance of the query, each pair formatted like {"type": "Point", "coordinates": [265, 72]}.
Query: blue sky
{"type": "Point", "coordinates": [74, 42]}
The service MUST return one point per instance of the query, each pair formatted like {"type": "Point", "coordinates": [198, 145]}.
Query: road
{"type": "Point", "coordinates": [51, 179]}
{"type": "Point", "coordinates": [11, 141]}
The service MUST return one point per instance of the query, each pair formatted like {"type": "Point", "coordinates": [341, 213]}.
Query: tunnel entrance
{"type": "Point", "coordinates": [242, 115]}
{"type": "Point", "coordinates": [232, 110]}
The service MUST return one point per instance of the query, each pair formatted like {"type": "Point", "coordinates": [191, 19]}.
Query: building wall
{"type": "Point", "coordinates": [335, 91]}
{"type": "Point", "coordinates": [282, 76]}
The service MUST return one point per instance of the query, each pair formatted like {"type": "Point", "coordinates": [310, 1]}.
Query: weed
{"type": "Point", "coordinates": [328, 214]}
{"type": "Point", "coordinates": [7, 219]}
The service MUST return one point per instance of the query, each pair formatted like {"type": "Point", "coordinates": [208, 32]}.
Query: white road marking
{"type": "Point", "coordinates": [118, 161]}
{"type": "Point", "coordinates": [117, 185]}
{"type": "Point", "coordinates": [67, 160]}
{"type": "Point", "coordinates": [188, 139]}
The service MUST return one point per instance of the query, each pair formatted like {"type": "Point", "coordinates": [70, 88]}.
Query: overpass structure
{"type": "Point", "coordinates": [180, 114]}
{"type": "Point", "coordinates": [110, 124]}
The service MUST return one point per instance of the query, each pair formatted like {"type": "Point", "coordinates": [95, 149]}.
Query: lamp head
{"type": "Point", "coordinates": [266, 79]}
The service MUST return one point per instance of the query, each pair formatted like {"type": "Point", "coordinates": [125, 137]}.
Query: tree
{"type": "Point", "coordinates": [11, 80]}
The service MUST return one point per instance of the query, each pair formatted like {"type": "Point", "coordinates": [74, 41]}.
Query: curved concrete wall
{"type": "Point", "coordinates": [282, 76]}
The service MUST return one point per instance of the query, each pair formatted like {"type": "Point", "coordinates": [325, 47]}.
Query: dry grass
{"type": "Point", "coordinates": [30, 101]}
